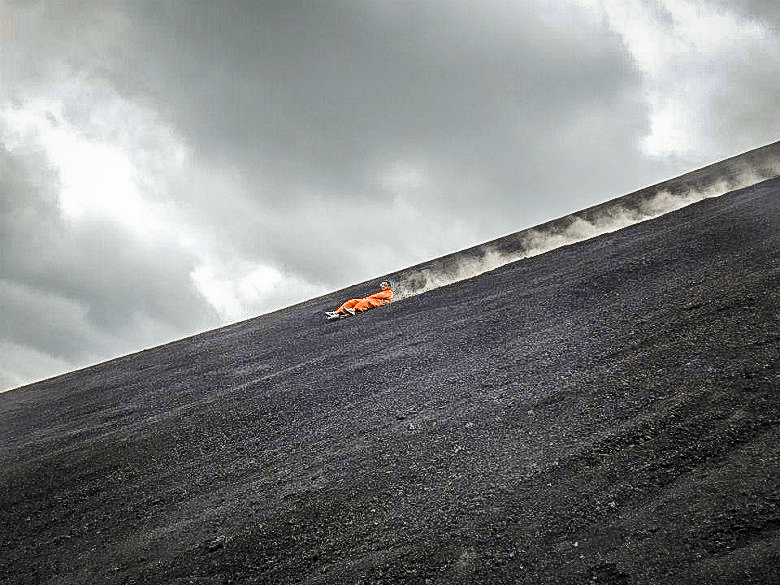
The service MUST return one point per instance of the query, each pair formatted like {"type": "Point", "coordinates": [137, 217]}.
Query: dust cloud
{"type": "Point", "coordinates": [571, 229]}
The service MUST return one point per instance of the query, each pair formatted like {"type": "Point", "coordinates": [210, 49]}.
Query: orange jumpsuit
{"type": "Point", "coordinates": [369, 302]}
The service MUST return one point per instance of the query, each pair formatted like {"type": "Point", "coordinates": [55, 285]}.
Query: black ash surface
{"type": "Point", "coordinates": [603, 413]}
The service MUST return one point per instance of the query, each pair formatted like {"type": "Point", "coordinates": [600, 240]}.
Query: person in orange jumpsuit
{"type": "Point", "coordinates": [353, 306]}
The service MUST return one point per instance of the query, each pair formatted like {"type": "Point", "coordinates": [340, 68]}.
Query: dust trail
{"type": "Point", "coordinates": [612, 219]}
{"type": "Point", "coordinates": [609, 217]}
{"type": "Point", "coordinates": [427, 279]}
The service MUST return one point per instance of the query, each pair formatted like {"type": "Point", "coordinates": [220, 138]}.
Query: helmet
{"type": "Point", "coordinates": [384, 284]}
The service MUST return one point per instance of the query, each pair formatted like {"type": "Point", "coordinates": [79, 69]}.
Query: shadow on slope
{"type": "Point", "coordinates": [606, 412]}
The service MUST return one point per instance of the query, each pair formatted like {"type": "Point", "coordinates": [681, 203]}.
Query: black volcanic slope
{"type": "Point", "coordinates": [603, 413]}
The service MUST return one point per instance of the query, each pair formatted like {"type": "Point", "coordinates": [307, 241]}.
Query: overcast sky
{"type": "Point", "coordinates": [168, 166]}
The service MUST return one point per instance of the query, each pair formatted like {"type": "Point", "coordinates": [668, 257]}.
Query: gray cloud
{"type": "Point", "coordinates": [67, 285]}
{"type": "Point", "coordinates": [762, 11]}
{"type": "Point", "coordinates": [488, 107]}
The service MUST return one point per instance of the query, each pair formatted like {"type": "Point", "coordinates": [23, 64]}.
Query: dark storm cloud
{"type": "Point", "coordinates": [765, 11]}
{"type": "Point", "coordinates": [491, 102]}
{"type": "Point", "coordinates": [320, 93]}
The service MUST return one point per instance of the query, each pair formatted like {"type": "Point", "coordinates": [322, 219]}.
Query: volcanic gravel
{"type": "Point", "coordinates": [603, 413]}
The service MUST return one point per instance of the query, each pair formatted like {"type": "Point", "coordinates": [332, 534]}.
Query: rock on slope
{"type": "Point", "coordinates": [604, 413]}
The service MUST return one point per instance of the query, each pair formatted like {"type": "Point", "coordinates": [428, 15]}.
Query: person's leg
{"type": "Point", "coordinates": [365, 305]}
{"type": "Point", "coordinates": [350, 304]}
